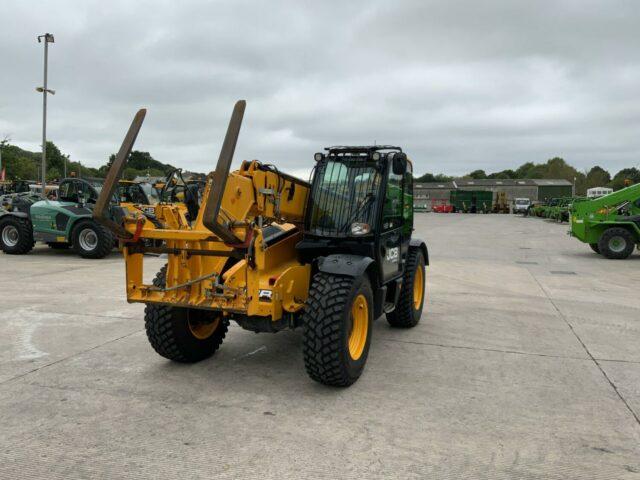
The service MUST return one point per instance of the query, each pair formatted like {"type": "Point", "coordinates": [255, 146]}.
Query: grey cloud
{"type": "Point", "coordinates": [460, 85]}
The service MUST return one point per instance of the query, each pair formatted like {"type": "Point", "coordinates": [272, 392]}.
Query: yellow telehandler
{"type": "Point", "coordinates": [270, 251]}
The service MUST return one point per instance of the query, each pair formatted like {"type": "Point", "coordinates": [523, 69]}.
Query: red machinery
{"type": "Point", "coordinates": [441, 206]}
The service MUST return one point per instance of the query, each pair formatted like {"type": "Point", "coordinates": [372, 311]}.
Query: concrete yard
{"type": "Point", "coordinates": [526, 364]}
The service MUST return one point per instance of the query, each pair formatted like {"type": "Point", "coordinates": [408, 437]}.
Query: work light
{"type": "Point", "coordinates": [359, 228]}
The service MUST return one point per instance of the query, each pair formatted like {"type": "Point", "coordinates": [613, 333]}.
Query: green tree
{"type": "Point", "coordinates": [624, 176]}
{"type": "Point", "coordinates": [53, 174]}
{"type": "Point", "coordinates": [477, 174]}
{"type": "Point", "coordinates": [597, 177]}
{"type": "Point", "coordinates": [523, 170]}
{"type": "Point", "coordinates": [503, 174]}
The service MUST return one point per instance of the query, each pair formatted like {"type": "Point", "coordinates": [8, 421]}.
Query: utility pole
{"type": "Point", "coordinates": [48, 38]}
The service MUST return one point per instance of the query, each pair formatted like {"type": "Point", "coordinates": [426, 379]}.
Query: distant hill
{"type": "Point", "coordinates": [139, 164]}
{"type": "Point", "coordinates": [21, 164]}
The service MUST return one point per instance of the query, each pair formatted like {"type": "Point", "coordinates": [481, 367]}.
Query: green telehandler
{"type": "Point", "coordinates": [609, 224]}
{"type": "Point", "coordinates": [61, 224]}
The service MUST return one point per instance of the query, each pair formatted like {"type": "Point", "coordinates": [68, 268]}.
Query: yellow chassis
{"type": "Point", "coordinates": [266, 280]}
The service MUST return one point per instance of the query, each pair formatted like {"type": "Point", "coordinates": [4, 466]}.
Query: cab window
{"type": "Point", "coordinates": [393, 202]}
{"type": "Point", "coordinates": [68, 192]}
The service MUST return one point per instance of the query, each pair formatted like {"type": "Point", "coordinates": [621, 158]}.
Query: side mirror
{"type": "Point", "coordinates": [399, 163]}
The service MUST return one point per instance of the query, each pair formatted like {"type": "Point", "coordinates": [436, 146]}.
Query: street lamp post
{"type": "Point", "coordinates": [48, 38]}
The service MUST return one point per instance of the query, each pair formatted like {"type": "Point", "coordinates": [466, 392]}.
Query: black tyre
{"type": "Point", "coordinates": [59, 245]}
{"type": "Point", "coordinates": [409, 308]}
{"type": "Point", "coordinates": [16, 235]}
{"type": "Point", "coordinates": [616, 243]}
{"type": "Point", "coordinates": [595, 248]}
{"type": "Point", "coordinates": [336, 328]}
{"type": "Point", "coordinates": [92, 240]}
{"type": "Point", "coordinates": [183, 334]}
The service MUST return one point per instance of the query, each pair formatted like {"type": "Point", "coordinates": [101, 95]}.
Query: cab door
{"type": "Point", "coordinates": [391, 227]}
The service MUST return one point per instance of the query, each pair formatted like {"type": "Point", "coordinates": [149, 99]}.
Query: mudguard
{"type": "Point", "coordinates": [14, 214]}
{"type": "Point", "coordinates": [344, 264]}
{"type": "Point", "coordinates": [419, 243]}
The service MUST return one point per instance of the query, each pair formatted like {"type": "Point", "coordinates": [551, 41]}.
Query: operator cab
{"type": "Point", "coordinates": [138, 193]}
{"type": "Point", "coordinates": [76, 190]}
{"type": "Point", "coordinates": [361, 202]}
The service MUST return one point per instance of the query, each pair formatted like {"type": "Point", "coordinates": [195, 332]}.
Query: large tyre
{"type": "Point", "coordinates": [336, 328]}
{"type": "Point", "coordinates": [616, 243]}
{"type": "Point", "coordinates": [409, 308]}
{"type": "Point", "coordinates": [16, 235]}
{"type": "Point", "coordinates": [92, 240]}
{"type": "Point", "coordinates": [595, 248]}
{"type": "Point", "coordinates": [184, 335]}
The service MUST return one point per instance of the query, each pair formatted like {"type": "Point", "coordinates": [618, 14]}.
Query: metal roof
{"type": "Point", "coordinates": [493, 182]}
{"type": "Point", "coordinates": [434, 185]}
{"type": "Point", "coordinates": [544, 182]}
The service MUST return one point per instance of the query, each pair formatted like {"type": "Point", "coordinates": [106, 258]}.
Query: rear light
{"type": "Point", "coordinates": [358, 228]}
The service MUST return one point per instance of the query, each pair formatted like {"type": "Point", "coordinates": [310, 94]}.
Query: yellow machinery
{"type": "Point", "coordinates": [264, 251]}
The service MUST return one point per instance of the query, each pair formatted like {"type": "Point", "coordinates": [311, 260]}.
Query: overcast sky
{"type": "Point", "coordinates": [460, 85]}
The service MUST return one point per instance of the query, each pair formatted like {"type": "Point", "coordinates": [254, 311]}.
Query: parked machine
{"type": "Point", "coordinates": [62, 223]}
{"type": "Point", "coordinates": [441, 206]}
{"type": "Point", "coordinates": [521, 205]}
{"type": "Point", "coordinates": [471, 201]}
{"type": "Point", "coordinates": [609, 224]}
{"type": "Point", "coordinates": [501, 203]}
{"type": "Point", "coordinates": [271, 251]}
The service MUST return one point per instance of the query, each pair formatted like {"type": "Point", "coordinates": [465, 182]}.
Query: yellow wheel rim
{"type": "Point", "coordinates": [418, 287]}
{"type": "Point", "coordinates": [359, 326]}
{"type": "Point", "coordinates": [202, 330]}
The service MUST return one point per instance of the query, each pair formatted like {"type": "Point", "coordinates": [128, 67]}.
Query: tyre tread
{"type": "Point", "coordinates": [25, 230]}
{"type": "Point", "coordinates": [322, 324]}
{"type": "Point", "coordinates": [158, 322]}
{"type": "Point", "coordinates": [403, 316]}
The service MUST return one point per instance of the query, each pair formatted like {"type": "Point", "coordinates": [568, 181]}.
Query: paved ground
{"type": "Point", "coordinates": [526, 365]}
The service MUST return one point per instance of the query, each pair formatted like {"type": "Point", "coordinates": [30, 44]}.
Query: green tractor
{"type": "Point", "coordinates": [609, 224]}
{"type": "Point", "coordinates": [540, 209]}
{"type": "Point", "coordinates": [61, 224]}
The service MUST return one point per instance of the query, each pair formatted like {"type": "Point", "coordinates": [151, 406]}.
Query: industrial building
{"type": "Point", "coordinates": [425, 195]}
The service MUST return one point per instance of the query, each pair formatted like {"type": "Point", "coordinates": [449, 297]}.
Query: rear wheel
{"type": "Point", "coordinates": [183, 334]}
{"type": "Point", "coordinates": [409, 308]}
{"type": "Point", "coordinates": [337, 328]}
{"type": "Point", "coordinates": [92, 240]}
{"type": "Point", "coordinates": [616, 243]}
{"type": "Point", "coordinates": [595, 248]}
{"type": "Point", "coordinates": [16, 235]}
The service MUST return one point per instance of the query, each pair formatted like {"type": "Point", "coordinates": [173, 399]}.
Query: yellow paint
{"type": "Point", "coordinates": [359, 326]}
{"type": "Point", "coordinates": [202, 330]}
{"type": "Point", "coordinates": [418, 287]}
{"type": "Point", "coordinates": [197, 280]}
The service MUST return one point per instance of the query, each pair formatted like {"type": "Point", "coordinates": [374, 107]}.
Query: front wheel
{"type": "Point", "coordinates": [409, 308]}
{"type": "Point", "coordinates": [616, 243]}
{"type": "Point", "coordinates": [184, 335]}
{"type": "Point", "coordinates": [16, 235]}
{"type": "Point", "coordinates": [336, 328]}
{"type": "Point", "coordinates": [595, 248]}
{"type": "Point", "coordinates": [92, 240]}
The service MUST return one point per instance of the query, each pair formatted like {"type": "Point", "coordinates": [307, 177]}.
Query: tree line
{"type": "Point", "coordinates": [556, 168]}
{"type": "Point", "coordinates": [20, 164]}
